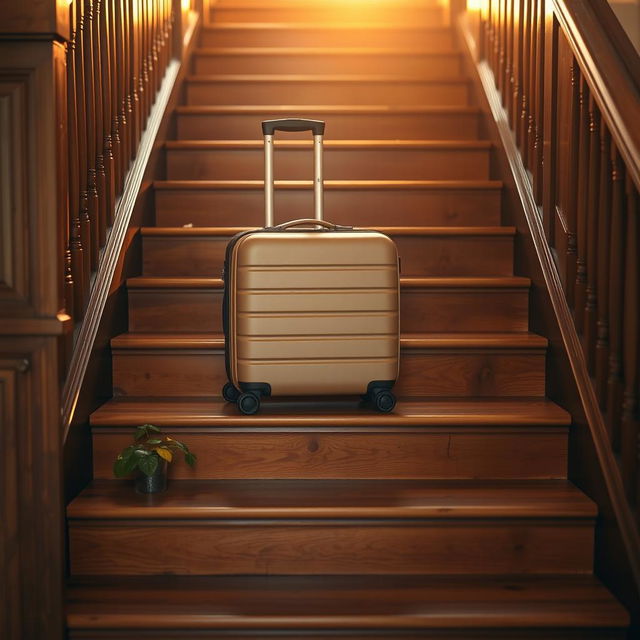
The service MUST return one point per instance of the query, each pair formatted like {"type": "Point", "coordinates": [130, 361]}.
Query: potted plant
{"type": "Point", "coordinates": [149, 455]}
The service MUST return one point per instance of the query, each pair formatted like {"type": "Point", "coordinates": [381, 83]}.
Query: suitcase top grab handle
{"type": "Point", "coordinates": [292, 124]}
{"type": "Point", "coordinates": [305, 222]}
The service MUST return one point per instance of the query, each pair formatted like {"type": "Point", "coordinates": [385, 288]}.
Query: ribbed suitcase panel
{"type": "Point", "coordinates": [315, 313]}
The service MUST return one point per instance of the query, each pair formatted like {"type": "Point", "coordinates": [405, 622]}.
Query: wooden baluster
{"type": "Point", "coordinates": [572, 183]}
{"type": "Point", "coordinates": [591, 244]}
{"type": "Point", "coordinates": [552, 152]}
{"type": "Point", "coordinates": [533, 59]}
{"type": "Point", "coordinates": [151, 58]}
{"type": "Point", "coordinates": [524, 80]}
{"type": "Point", "coordinates": [517, 64]}
{"type": "Point", "coordinates": [490, 34]}
{"type": "Point", "coordinates": [122, 132]}
{"type": "Point", "coordinates": [581, 211]}
{"type": "Point", "coordinates": [116, 96]}
{"type": "Point", "coordinates": [499, 71]}
{"type": "Point", "coordinates": [101, 176]}
{"type": "Point", "coordinates": [83, 165]}
{"type": "Point", "coordinates": [125, 113]}
{"type": "Point", "coordinates": [133, 109]}
{"type": "Point", "coordinates": [604, 239]}
{"type": "Point", "coordinates": [616, 271]}
{"type": "Point", "coordinates": [168, 36]}
{"type": "Point", "coordinates": [538, 122]}
{"type": "Point", "coordinates": [629, 426]}
{"type": "Point", "coordinates": [107, 69]}
{"type": "Point", "coordinates": [80, 279]}
{"type": "Point", "coordinates": [90, 83]}
{"type": "Point", "coordinates": [162, 49]}
{"type": "Point", "coordinates": [508, 91]}
{"type": "Point", "coordinates": [143, 75]}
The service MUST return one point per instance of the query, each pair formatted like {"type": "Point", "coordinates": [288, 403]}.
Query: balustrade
{"type": "Point", "coordinates": [116, 58]}
{"type": "Point", "coordinates": [572, 98]}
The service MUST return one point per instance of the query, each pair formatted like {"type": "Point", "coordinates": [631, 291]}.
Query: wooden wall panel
{"type": "Point", "coordinates": [14, 271]}
{"type": "Point", "coordinates": [28, 17]}
{"type": "Point", "coordinates": [32, 175]}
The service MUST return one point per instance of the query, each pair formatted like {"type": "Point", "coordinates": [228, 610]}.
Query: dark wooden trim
{"type": "Point", "coordinates": [614, 506]}
{"type": "Point", "coordinates": [32, 330]}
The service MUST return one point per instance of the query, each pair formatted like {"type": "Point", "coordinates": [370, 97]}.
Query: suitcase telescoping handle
{"type": "Point", "coordinates": [269, 127]}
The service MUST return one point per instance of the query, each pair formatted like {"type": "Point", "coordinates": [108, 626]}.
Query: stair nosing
{"type": "Point", "coordinates": [290, 78]}
{"type": "Point", "coordinates": [329, 185]}
{"type": "Point", "coordinates": [329, 51]}
{"type": "Point", "coordinates": [413, 499]}
{"type": "Point", "coordinates": [431, 231]}
{"type": "Point", "coordinates": [522, 341]}
{"type": "Point", "coordinates": [427, 145]}
{"type": "Point", "coordinates": [462, 282]}
{"type": "Point", "coordinates": [332, 108]}
{"type": "Point", "coordinates": [421, 413]}
{"type": "Point", "coordinates": [319, 26]}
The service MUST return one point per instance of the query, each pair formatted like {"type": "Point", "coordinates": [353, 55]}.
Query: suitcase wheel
{"type": "Point", "coordinates": [230, 393]}
{"type": "Point", "coordinates": [383, 400]}
{"type": "Point", "coordinates": [248, 403]}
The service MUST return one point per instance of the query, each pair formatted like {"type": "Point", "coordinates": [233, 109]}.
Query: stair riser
{"type": "Point", "coordinates": [431, 256]}
{"type": "Point", "coordinates": [271, 92]}
{"type": "Point", "coordinates": [431, 40]}
{"type": "Point", "coordinates": [330, 547]}
{"type": "Point", "coordinates": [407, 207]}
{"type": "Point", "coordinates": [339, 164]}
{"type": "Point", "coordinates": [162, 373]}
{"type": "Point", "coordinates": [431, 16]}
{"type": "Point", "coordinates": [427, 634]}
{"type": "Point", "coordinates": [503, 453]}
{"type": "Point", "coordinates": [392, 126]}
{"type": "Point", "coordinates": [193, 310]}
{"type": "Point", "coordinates": [442, 66]}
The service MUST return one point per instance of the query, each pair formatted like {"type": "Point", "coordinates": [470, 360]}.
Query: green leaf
{"type": "Point", "coordinates": [153, 441]}
{"type": "Point", "coordinates": [142, 452]}
{"type": "Point", "coordinates": [128, 452]}
{"type": "Point", "coordinates": [148, 465]}
{"type": "Point", "coordinates": [119, 467]}
{"type": "Point", "coordinates": [124, 466]}
{"type": "Point", "coordinates": [190, 458]}
{"type": "Point", "coordinates": [144, 430]}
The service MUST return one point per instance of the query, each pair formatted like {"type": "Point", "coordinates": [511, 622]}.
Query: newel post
{"type": "Point", "coordinates": [33, 219]}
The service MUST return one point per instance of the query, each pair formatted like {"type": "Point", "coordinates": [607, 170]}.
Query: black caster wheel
{"type": "Point", "coordinates": [230, 393]}
{"type": "Point", "coordinates": [248, 403]}
{"type": "Point", "coordinates": [384, 401]}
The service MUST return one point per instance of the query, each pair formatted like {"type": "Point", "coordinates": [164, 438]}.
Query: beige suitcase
{"type": "Point", "coordinates": [310, 308]}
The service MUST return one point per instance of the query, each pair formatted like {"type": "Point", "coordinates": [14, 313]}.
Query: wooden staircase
{"type": "Point", "coordinates": [451, 517]}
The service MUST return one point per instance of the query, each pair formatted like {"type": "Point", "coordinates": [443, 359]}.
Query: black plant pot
{"type": "Point", "coordinates": [155, 483]}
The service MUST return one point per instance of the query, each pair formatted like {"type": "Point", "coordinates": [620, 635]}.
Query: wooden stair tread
{"type": "Point", "coordinates": [186, 282]}
{"type": "Point", "coordinates": [207, 412]}
{"type": "Point", "coordinates": [196, 145]}
{"type": "Point", "coordinates": [316, 26]}
{"type": "Point", "coordinates": [392, 231]}
{"type": "Point", "coordinates": [322, 51]}
{"type": "Point", "coordinates": [329, 184]}
{"type": "Point", "coordinates": [328, 109]}
{"type": "Point", "coordinates": [319, 78]}
{"type": "Point", "coordinates": [407, 341]}
{"type": "Point", "coordinates": [347, 602]}
{"type": "Point", "coordinates": [235, 499]}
